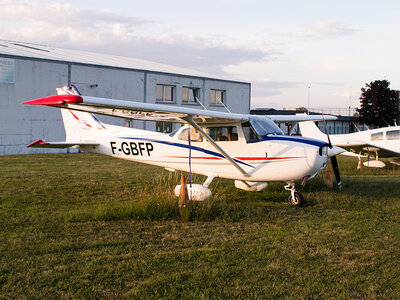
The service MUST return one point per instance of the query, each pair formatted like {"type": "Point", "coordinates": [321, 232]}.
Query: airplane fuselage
{"type": "Point", "coordinates": [275, 158]}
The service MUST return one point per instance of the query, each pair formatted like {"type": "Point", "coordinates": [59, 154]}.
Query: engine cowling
{"type": "Point", "coordinates": [197, 192]}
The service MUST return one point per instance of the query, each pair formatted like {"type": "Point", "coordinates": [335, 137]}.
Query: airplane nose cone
{"type": "Point", "coordinates": [335, 150]}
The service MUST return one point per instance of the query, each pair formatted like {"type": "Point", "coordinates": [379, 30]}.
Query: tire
{"type": "Point", "coordinates": [297, 201]}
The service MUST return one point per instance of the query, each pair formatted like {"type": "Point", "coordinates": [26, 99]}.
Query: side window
{"type": "Point", "coordinates": [393, 135]}
{"type": "Point", "coordinates": [248, 132]}
{"type": "Point", "coordinates": [377, 136]}
{"type": "Point", "coordinates": [221, 134]}
{"type": "Point", "coordinates": [194, 135]}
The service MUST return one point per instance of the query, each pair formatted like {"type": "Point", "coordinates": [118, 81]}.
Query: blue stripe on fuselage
{"type": "Point", "coordinates": [187, 147]}
{"type": "Point", "coordinates": [297, 139]}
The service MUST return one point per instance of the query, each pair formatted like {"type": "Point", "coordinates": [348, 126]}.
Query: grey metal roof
{"type": "Point", "coordinates": [30, 50]}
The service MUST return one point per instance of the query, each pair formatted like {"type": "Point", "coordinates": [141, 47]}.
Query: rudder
{"type": "Point", "coordinates": [310, 130]}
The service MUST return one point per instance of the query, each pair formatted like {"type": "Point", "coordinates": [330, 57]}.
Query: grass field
{"type": "Point", "coordinates": [87, 226]}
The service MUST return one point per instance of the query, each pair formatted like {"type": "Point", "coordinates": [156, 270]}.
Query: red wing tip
{"type": "Point", "coordinates": [40, 142]}
{"type": "Point", "coordinates": [56, 100]}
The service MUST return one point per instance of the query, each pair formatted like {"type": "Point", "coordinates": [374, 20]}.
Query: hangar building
{"type": "Point", "coordinates": [29, 71]}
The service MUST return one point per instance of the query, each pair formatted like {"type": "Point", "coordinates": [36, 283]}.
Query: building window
{"type": "Point", "coordinates": [393, 135]}
{"type": "Point", "coordinates": [217, 97]}
{"type": "Point", "coordinates": [165, 127]}
{"type": "Point", "coordinates": [165, 93]}
{"type": "Point", "coordinates": [377, 136]}
{"type": "Point", "coordinates": [189, 95]}
{"type": "Point", "coordinates": [128, 123]}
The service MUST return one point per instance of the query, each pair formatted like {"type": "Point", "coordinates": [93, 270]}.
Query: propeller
{"type": "Point", "coordinates": [333, 159]}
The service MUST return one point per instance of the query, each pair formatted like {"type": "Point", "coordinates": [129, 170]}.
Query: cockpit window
{"type": "Point", "coordinates": [225, 133]}
{"type": "Point", "coordinates": [194, 135]}
{"type": "Point", "coordinates": [264, 126]}
{"type": "Point", "coordinates": [249, 133]}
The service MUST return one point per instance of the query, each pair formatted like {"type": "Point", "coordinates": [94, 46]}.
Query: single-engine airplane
{"type": "Point", "coordinates": [251, 150]}
{"type": "Point", "coordinates": [385, 140]}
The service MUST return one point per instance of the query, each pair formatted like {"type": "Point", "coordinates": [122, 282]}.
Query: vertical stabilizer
{"type": "Point", "coordinates": [79, 126]}
{"type": "Point", "coordinates": [310, 130]}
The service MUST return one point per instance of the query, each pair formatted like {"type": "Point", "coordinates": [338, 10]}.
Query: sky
{"type": "Point", "coordinates": [316, 54]}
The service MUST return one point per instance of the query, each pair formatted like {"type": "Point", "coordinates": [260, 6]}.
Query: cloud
{"type": "Point", "coordinates": [63, 25]}
{"type": "Point", "coordinates": [276, 84]}
{"type": "Point", "coordinates": [324, 30]}
{"type": "Point", "coordinates": [60, 15]}
{"type": "Point", "coordinates": [263, 89]}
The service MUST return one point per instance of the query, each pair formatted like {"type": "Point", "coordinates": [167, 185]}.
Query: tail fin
{"type": "Point", "coordinates": [310, 130]}
{"type": "Point", "coordinates": [79, 126]}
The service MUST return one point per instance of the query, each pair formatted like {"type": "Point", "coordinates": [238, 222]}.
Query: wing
{"type": "Point", "coordinates": [146, 112]}
{"type": "Point", "coordinates": [356, 147]}
{"type": "Point", "coordinates": [383, 151]}
{"type": "Point", "coordinates": [138, 110]}
{"type": "Point", "coordinates": [300, 118]}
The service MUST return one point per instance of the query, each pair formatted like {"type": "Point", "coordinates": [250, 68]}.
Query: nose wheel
{"type": "Point", "coordinates": [295, 198]}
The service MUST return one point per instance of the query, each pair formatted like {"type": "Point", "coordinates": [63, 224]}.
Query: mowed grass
{"type": "Point", "coordinates": [88, 226]}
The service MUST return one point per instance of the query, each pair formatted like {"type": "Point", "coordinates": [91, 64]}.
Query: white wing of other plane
{"type": "Point", "coordinates": [301, 118]}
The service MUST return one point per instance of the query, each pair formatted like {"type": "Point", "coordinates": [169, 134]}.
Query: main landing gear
{"type": "Point", "coordinates": [295, 198]}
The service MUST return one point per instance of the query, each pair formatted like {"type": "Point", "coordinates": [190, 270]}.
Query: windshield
{"type": "Point", "coordinates": [264, 126]}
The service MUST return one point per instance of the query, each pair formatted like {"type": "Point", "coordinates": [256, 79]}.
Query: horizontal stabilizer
{"type": "Point", "coordinates": [43, 144]}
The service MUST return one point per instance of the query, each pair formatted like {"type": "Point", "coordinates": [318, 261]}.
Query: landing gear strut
{"type": "Point", "coordinates": [295, 198]}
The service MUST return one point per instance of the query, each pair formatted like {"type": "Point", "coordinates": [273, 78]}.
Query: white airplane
{"type": "Point", "coordinates": [251, 150]}
{"type": "Point", "coordinates": [385, 140]}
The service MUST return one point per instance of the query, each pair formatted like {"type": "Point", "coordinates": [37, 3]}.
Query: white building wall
{"type": "Point", "coordinates": [237, 96]}
{"type": "Point", "coordinates": [22, 124]}
{"type": "Point", "coordinates": [109, 83]}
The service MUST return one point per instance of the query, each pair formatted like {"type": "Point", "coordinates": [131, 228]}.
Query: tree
{"type": "Point", "coordinates": [379, 104]}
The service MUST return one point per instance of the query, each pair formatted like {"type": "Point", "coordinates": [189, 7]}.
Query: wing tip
{"type": "Point", "coordinates": [37, 143]}
{"type": "Point", "coordinates": [55, 100]}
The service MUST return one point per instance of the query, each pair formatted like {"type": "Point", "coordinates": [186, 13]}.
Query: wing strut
{"type": "Point", "coordinates": [190, 120]}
